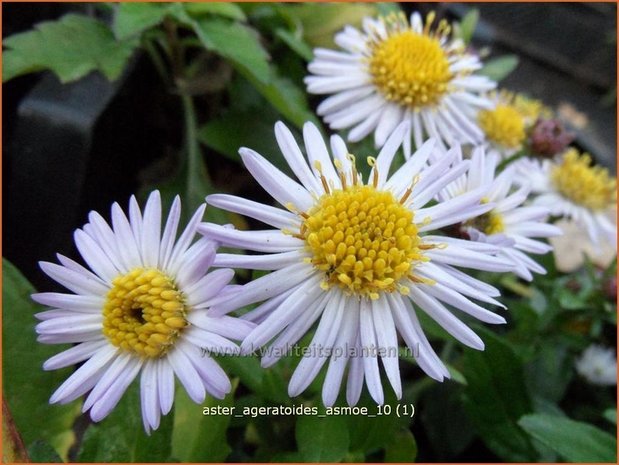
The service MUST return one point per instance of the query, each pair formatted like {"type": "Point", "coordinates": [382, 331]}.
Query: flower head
{"type": "Point", "coordinates": [569, 186]}
{"type": "Point", "coordinates": [142, 308]}
{"type": "Point", "coordinates": [507, 124]}
{"type": "Point", "coordinates": [393, 71]}
{"type": "Point", "coordinates": [510, 225]}
{"type": "Point", "coordinates": [359, 257]}
{"type": "Point", "coordinates": [549, 137]}
{"type": "Point", "coordinates": [598, 365]}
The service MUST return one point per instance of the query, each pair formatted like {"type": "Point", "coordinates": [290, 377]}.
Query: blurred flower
{"type": "Point", "coordinates": [574, 244]}
{"type": "Point", "coordinates": [598, 365]}
{"type": "Point", "coordinates": [142, 308]}
{"type": "Point", "coordinates": [506, 125]}
{"type": "Point", "coordinates": [358, 257]}
{"type": "Point", "coordinates": [393, 71]}
{"type": "Point", "coordinates": [549, 137]}
{"type": "Point", "coordinates": [509, 225]}
{"type": "Point", "coordinates": [570, 187]}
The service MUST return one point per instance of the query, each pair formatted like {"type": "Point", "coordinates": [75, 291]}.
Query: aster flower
{"type": "Point", "coordinates": [570, 187]}
{"type": "Point", "coordinates": [393, 71]}
{"type": "Point", "coordinates": [510, 224]}
{"type": "Point", "coordinates": [142, 309]}
{"type": "Point", "coordinates": [598, 365]}
{"type": "Point", "coordinates": [507, 124]}
{"type": "Point", "coordinates": [357, 256]}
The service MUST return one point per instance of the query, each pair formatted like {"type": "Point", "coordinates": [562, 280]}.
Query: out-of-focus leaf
{"type": "Point", "coordinates": [322, 439]}
{"type": "Point", "coordinates": [611, 415]}
{"type": "Point", "coordinates": [403, 448]}
{"type": "Point", "coordinates": [468, 25]}
{"type": "Point", "coordinates": [40, 451]}
{"type": "Point", "coordinates": [228, 10]}
{"type": "Point", "coordinates": [443, 418]}
{"type": "Point", "coordinates": [237, 43]}
{"type": "Point", "coordinates": [27, 388]}
{"type": "Point", "coordinates": [321, 21]}
{"type": "Point", "coordinates": [13, 449]}
{"type": "Point", "coordinates": [198, 437]}
{"type": "Point", "coordinates": [295, 43]}
{"type": "Point", "coordinates": [573, 440]}
{"type": "Point", "coordinates": [499, 68]}
{"type": "Point", "coordinates": [121, 437]}
{"type": "Point", "coordinates": [549, 374]}
{"type": "Point", "coordinates": [131, 19]}
{"type": "Point", "coordinates": [496, 397]}
{"type": "Point", "coordinates": [385, 8]}
{"type": "Point", "coordinates": [286, 98]}
{"type": "Point", "coordinates": [71, 47]}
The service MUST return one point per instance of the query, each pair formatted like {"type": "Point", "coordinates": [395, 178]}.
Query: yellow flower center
{"type": "Point", "coordinates": [586, 185]}
{"type": "Point", "coordinates": [363, 239]}
{"type": "Point", "coordinates": [144, 312]}
{"type": "Point", "coordinates": [489, 223]}
{"type": "Point", "coordinates": [504, 125]}
{"type": "Point", "coordinates": [409, 68]}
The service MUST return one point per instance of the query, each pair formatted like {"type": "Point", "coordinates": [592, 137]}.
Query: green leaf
{"type": "Point", "coordinates": [549, 374]}
{"type": "Point", "coordinates": [322, 439]}
{"type": "Point", "coordinates": [496, 397]}
{"type": "Point", "coordinates": [71, 47]}
{"type": "Point", "coordinates": [611, 415]}
{"type": "Point", "coordinates": [574, 440]}
{"type": "Point", "coordinates": [320, 22]}
{"type": "Point", "coordinates": [295, 43]}
{"type": "Point", "coordinates": [228, 10]}
{"type": "Point", "coordinates": [237, 43]}
{"type": "Point", "coordinates": [41, 451]}
{"type": "Point", "coordinates": [132, 19]}
{"type": "Point", "coordinates": [499, 68]}
{"type": "Point", "coordinates": [121, 436]}
{"type": "Point", "coordinates": [468, 25]}
{"type": "Point", "coordinates": [27, 387]}
{"type": "Point", "coordinates": [403, 448]}
{"type": "Point", "coordinates": [198, 437]}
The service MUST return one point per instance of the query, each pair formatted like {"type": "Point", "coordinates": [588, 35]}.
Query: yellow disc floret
{"type": "Point", "coordinates": [409, 68]}
{"type": "Point", "coordinates": [363, 239]}
{"type": "Point", "coordinates": [144, 312]}
{"type": "Point", "coordinates": [504, 125]}
{"type": "Point", "coordinates": [586, 185]}
{"type": "Point", "coordinates": [489, 223]}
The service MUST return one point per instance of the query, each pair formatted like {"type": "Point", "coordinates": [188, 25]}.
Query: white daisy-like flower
{"type": "Point", "coordinates": [509, 225]}
{"type": "Point", "coordinates": [570, 187]}
{"type": "Point", "coordinates": [393, 71]}
{"type": "Point", "coordinates": [506, 126]}
{"type": "Point", "coordinates": [359, 257]}
{"type": "Point", "coordinates": [142, 309]}
{"type": "Point", "coordinates": [598, 365]}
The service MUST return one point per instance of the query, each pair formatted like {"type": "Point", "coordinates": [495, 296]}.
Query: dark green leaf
{"type": "Point", "coordinates": [443, 418]}
{"type": "Point", "coordinates": [237, 43]}
{"type": "Point", "coordinates": [496, 397]}
{"type": "Point", "coordinates": [198, 437]}
{"type": "Point", "coordinates": [322, 439]}
{"type": "Point", "coordinates": [121, 436]}
{"type": "Point", "coordinates": [27, 388]}
{"type": "Point", "coordinates": [229, 10]}
{"type": "Point", "coordinates": [131, 19]}
{"type": "Point", "coordinates": [41, 451]}
{"type": "Point", "coordinates": [295, 43]}
{"type": "Point", "coordinates": [574, 440]}
{"type": "Point", "coordinates": [71, 47]}
{"type": "Point", "coordinates": [499, 68]}
{"type": "Point", "coordinates": [549, 374]}
{"type": "Point", "coordinates": [403, 448]}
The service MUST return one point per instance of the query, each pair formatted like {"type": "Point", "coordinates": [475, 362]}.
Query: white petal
{"type": "Point", "coordinates": [151, 230]}
{"type": "Point", "coordinates": [370, 358]}
{"type": "Point", "coordinates": [387, 341]}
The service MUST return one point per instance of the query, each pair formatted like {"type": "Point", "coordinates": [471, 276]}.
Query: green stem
{"type": "Point", "coordinates": [196, 170]}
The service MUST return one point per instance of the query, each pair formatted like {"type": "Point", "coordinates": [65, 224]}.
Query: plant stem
{"type": "Point", "coordinates": [196, 170]}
